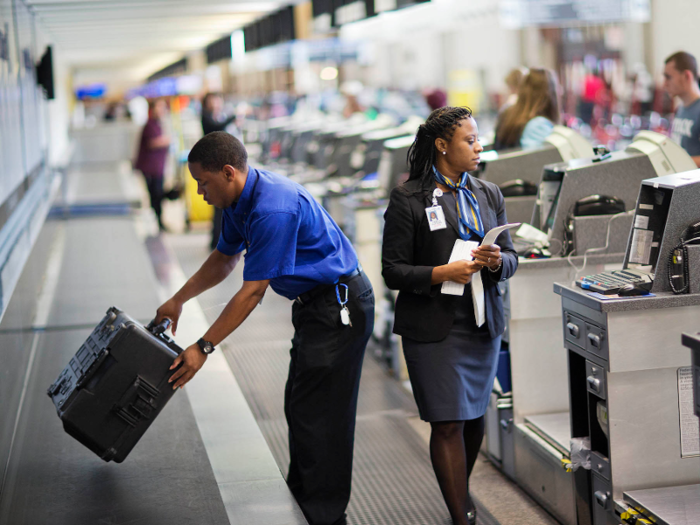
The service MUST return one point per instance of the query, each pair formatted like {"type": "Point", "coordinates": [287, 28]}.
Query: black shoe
{"type": "Point", "coordinates": [471, 517]}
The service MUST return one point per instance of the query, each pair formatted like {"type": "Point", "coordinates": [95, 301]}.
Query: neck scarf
{"type": "Point", "coordinates": [467, 205]}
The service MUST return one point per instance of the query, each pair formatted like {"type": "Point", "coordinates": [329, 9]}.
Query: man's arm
{"type": "Point", "coordinates": [696, 160]}
{"type": "Point", "coordinates": [236, 311]}
{"type": "Point", "coordinates": [215, 269]}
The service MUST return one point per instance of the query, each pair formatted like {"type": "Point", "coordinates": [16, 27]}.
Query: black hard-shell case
{"type": "Point", "coordinates": [116, 384]}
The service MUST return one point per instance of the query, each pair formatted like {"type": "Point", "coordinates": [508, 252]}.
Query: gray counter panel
{"type": "Point", "coordinates": [644, 432]}
{"type": "Point", "coordinates": [668, 506]}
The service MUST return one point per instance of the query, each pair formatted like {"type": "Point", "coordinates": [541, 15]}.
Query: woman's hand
{"type": "Point", "coordinates": [489, 256]}
{"type": "Point", "coordinates": [458, 272]}
{"type": "Point", "coordinates": [461, 271]}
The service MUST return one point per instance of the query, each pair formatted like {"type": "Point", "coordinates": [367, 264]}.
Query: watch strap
{"type": "Point", "coordinates": [205, 346]}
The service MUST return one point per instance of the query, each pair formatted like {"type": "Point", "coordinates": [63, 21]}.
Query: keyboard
{"type": "Point", "coordinates": [608, 283]}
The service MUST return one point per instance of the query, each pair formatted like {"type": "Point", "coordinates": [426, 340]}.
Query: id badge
{"type": "Point", "coordinates": [436, 218]}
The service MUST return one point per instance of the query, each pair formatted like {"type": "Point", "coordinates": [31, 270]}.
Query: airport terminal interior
{"type": "Point", "coordinates": [588, 116]}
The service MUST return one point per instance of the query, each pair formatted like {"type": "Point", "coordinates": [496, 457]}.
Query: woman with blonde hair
{"type": "Point", "coordinates": [531, 119]}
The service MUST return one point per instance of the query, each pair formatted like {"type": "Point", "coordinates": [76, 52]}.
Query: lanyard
{"type": "Point", "coordinates": [337, 294]}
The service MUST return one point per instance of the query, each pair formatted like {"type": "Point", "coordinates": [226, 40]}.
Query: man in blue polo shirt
{"type": "Point", "coordinates": [292, 245]}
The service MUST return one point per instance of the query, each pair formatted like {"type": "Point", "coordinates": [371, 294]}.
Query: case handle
{"type": "Point", "coordinates": [138, 402]}
{"type": "Point", "coordinates": [593, 383]}
{"type": "Point", "coordinates": [595, 340]}
{"type": "Point", "coordinates": [602, 498]}
{"type": "Point", "coordinates": [160, 328]}
{"type": "Point", "coordinates": [573, 329]}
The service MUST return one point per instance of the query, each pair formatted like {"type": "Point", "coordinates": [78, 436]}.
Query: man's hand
{"type": "Point", "coordinates": [489, 255]}
{"type": "Point", "coordinates": [172, 310]}
{"type": "Point", "coordinates": [192, 360]}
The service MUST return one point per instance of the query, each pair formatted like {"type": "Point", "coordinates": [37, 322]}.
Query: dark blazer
{"type": "Point", "coordinates": [209, 124]}
{"type": "Point", "coordinates": [410, 251]}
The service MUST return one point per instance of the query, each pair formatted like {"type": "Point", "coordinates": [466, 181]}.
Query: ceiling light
{"type": "Point", "coordinates": [329, 73]}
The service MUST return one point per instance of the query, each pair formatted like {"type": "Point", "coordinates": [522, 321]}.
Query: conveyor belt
{"type": "Point", "coordinates": [49, 477]}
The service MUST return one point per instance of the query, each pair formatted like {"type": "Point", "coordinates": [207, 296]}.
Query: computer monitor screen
{"type": "Point", "coordinates": [548, 198]}
{"type": "Point", "coordinates": [649, 226]}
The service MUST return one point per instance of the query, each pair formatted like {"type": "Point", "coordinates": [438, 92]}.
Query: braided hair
{"type": "Point", "coordinates": [441, 123]}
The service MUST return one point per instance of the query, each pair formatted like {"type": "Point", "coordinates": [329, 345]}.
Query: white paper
{"type": "Point", "coordinates": [493, 233]}
{"type": "Point", "coordinates": [640, 250]}
{"type": "Point", "coordinates": [641, 221]}
{"type": "Point", "coordinates": [478, 299]}
{"type": "Point", "coordinates": [689, 425]}
{"type": "Point", "coordinates": [461, 251]}
{"type": "Point", "coordinates": [532, 234]}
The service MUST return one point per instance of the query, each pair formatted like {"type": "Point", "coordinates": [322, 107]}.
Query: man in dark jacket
{"type": "Point", "coordinates": [213, 119]}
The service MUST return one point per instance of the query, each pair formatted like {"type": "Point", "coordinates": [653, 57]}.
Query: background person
{"type": "Point", "coordinates": [513, 81]}
{"type": "Point", "coordinates": [681, 80]}
{"type": "Point", "coordinates": [293, 246]}
{"type": "Point", "coordinates": [436, 98]}
{"type": "Point", "coordinates": [533, 116]}
{"type": "Point", "coordinates": [451, 357]}
{"type": "Point", "coordinates": [153, 151]}
{"type": "Point", "coordinates": [213, 119]}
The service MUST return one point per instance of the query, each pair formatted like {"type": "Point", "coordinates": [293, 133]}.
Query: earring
{"type": "Point", "coordinates": [444, 153]}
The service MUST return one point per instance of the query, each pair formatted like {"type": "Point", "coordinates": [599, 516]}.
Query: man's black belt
{"type": "Point", "coordinates": [309, 296]}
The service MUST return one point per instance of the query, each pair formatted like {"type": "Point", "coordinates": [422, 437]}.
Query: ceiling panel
{"type": "Point", "coordinates": [137, 37]}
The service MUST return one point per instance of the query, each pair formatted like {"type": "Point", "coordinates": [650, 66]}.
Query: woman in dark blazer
{"type": "Point", "coordinates": [451, 346]}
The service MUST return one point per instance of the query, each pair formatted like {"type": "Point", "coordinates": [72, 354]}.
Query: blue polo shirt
{"type": "Point", "coordinates": [289, 238]}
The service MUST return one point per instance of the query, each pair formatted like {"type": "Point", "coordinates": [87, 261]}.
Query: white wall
{"type": "Point", "coordinates": [674, 28]}
{"type": "Point", "coordinates": [418, 47]}
{"type": "Point", "coordinates": [59, 112]}
{"type": "Point", "coordinates": [477, 41]}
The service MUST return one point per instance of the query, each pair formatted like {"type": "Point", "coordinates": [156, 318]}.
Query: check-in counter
{"type": "Point", "coordinates": [535, 444]}
{"type": "Point", "coordinates": [630, 379]}
{"type": "Point", "coordinates": [539, 398]}
{"type": "Point", "coordinates": [627, 373]}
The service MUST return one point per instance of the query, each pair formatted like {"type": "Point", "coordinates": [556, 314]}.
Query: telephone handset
{"type": "Point", "coordinates": [678, 271]}
{"type": "Point", "coordinates": [518, 188]}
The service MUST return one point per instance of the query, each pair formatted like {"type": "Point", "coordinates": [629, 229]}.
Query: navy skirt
{"type": "Point", "coordinates": [452, 379]}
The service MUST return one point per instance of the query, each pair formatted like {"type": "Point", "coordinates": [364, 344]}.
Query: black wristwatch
{"type": "Point", "coordinates": [205, 346]}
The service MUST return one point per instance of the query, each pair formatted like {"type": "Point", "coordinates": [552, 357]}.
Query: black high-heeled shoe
{"type": "Point", "coordinates": [471, 517]}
